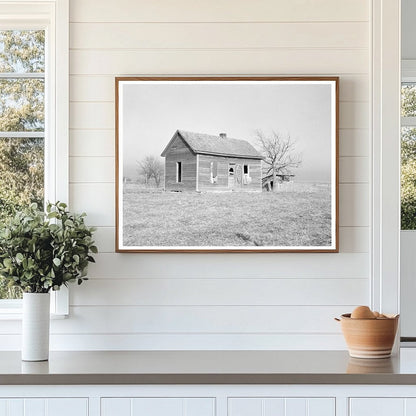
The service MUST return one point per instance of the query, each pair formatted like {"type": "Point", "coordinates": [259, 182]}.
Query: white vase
{"type": "Point", "coordinates": [35, 326]}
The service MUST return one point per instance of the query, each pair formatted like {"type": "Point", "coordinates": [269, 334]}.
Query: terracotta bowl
{"type": "Point", "coordinates": [369, 338]}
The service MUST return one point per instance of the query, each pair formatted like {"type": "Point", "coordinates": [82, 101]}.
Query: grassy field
{"type": "Point", "coordinates": [298, 215]}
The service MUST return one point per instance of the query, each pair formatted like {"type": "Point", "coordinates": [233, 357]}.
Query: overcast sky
{"type": "Point", "coordinates": [151, 113]}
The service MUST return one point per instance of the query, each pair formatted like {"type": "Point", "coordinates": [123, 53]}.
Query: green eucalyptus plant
{"type": "Point", "coordinates": [43, 251]}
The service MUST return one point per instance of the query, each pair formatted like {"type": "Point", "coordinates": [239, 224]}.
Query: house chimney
{"type": "Point", "coordinates": [223, 135]}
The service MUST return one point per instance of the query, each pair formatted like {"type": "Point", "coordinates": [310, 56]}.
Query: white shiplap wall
{"type": "Point", "coordinates": [218, 301]}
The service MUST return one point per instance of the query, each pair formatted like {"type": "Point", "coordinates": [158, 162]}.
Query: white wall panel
{"type": "Point", "coordinates": [91, 115]}
{"type": "Point", "coordinates": [214, 300]}
{"type": "Point", "coordinates": [189, 341]}
{"type": "Point", "coordinates": [353, 115]}
{"type": "Point", "coordinates": [354, 205]}
{"type": "Point", "coordinates": [354, 142]}
{"type": "Point", "coordinates": [255, 265]}
{"type": "Point", "coordinates": [91, 169]}
{"type": "Point", "coordinates": [282, 61]}
{"type": "Point", "coordinates": [354, 170]}
{"type": "Point", "coordinates": [96, 199]}
{"type": "Point", "coordinates": [354, 239]}
{"type": "Point", "coordinates": [221, 291]}
{"type": "Point", "coordinates": [101, 88]}
{"type": "Point", "coordinates": [105, 238]}
{"type": "Point", "coordinates": [94, 143]}
{"type": "Point", "coordinates": [222, 35]}
{"type": "Point", "coordinates": [218, 11]}
{"type": "Point", "coordinates": [204, 320]}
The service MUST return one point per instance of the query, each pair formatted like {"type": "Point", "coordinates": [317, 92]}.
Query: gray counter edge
{"type": "Point", "coordinates": [155, 379]}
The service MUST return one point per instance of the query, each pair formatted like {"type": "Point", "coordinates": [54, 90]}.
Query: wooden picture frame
{"type": "Point", "coordinates": [227, 164]}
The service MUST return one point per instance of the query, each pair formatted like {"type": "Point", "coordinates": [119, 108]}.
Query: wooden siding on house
{"type": "Point", "coordinates": [204, 173]}
{"type": "Point", "coordinates": [180, 152]}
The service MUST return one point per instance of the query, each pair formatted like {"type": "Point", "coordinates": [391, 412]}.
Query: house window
{"type": "Point", "coordinates": [33, 114]}
{"type": "Point", "coordinates": [214, 172]}
{"type": "Point", "coordinates": [178, 172]}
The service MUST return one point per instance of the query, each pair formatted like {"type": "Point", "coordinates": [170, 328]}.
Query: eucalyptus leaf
{"type": "Point", "coordinates": [40, 252]}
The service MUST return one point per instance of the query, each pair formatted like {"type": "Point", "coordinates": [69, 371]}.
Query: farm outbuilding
{"type": "Point", "coordinates": [202, 162]}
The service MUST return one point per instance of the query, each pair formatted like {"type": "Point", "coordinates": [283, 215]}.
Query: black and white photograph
{"type": "Point", "coordinates": [227, 164]}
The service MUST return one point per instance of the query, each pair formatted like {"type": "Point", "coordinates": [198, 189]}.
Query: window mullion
{"type": "Point", "coordinates": [22, 134]}
{"type": "Point", "coordinates": [408, 121]}
{"type": "Point", "coordinates": [22, 75]}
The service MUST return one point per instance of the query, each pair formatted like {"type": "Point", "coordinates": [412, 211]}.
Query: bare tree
{"type": "Point", "coordinates": [279, 154]}
{"type": "Point", "coordinates": [150, 168]}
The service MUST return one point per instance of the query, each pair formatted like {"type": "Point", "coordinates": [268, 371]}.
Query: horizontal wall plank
{"type": "Point", "coordinates": [217, 11]}
{"type": "Point", "coordinates": [81, 115]}
{"type": "Point", "coordinates": [218, 292]}
{"type": "Point", "coordinates": [352, 115]}
{"type": "Point", "coordinates": [148, 342]}
{"type": "Point", "coordinates": [218, 35]}
{"type": "Point", "coordinates": [354, 142]}
{"type": "Point", "coordinates": [231, 265]}
{"type": "Point", "coordinates": [93, 143]}
{"type": "Point", "coordinates": [352, 239]}
{"type": "Point", "coordinates": [96, 199]}
{"type": "Point", "coordinates": [229, 61]}
{"type": "Point", "coordinates": [91, 169]}
{"type": "Point", "coordinates": [200, 319]}
{"type": "Point", "coordinates": [354, 205]}
{"type": "Point", "coordinates": [101, 88]}
{"type": "Point", "coordinates": [195, 319]}
{"type": "Point", "coordinates": [105, 239]}
{"type": "Point", "coordinates": [92, 88]}
{"type": "Point", "coordinates": [354, 88]}
{"type": "Point", "coordinates": [354, 169]}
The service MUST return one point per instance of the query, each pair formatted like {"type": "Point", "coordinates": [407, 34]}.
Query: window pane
{"type": "Point", "coordinates": [21, 173]}
{"type": "Point", "coordinates": [22, 51]}
{"type": "Point", "coordinates": [21, 182]}
{"type": "Point", "coordinates": [408, 178]}
{"type": "Point", "coordinates": [22, 104]}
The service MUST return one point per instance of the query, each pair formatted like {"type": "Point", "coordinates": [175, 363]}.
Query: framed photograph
{"type": "Point", "coordinates": [227, 164]}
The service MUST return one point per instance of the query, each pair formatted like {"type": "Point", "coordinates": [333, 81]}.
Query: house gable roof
{"type": "Point", "coordinates": [206, 144]}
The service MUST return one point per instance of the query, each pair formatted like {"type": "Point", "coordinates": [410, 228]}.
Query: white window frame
{"type": "Point", "coordinates": [385, 150]}
{"type": "Point", "coordinates": [53, 17]}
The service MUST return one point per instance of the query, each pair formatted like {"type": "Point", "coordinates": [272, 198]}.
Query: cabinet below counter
{"type": "Point", "coordinates": [208, 383]}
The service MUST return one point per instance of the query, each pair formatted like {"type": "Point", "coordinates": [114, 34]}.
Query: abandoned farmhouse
{"type": "Point", "coordinates": [202, 162]}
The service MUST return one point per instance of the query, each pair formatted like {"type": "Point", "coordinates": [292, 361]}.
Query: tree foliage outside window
{"type": "Point", "coordinates": [22, 125]}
